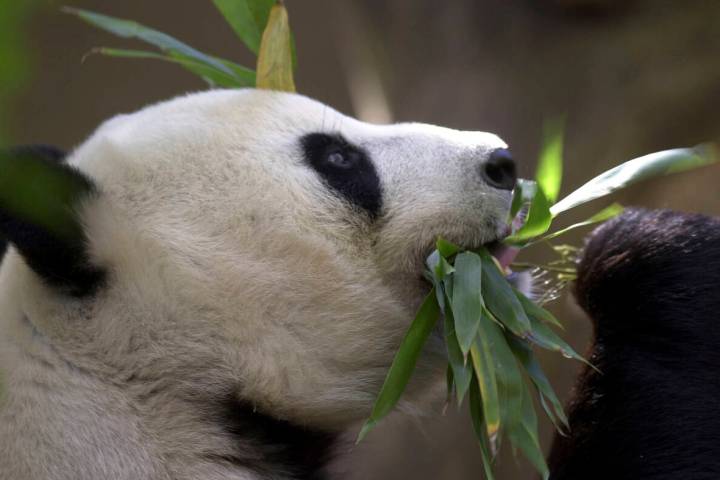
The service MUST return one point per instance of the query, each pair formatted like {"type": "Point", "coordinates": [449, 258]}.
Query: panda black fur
{"type": "Point", "coordinates": [650, 281]}
{"type": "Point", "coordinates": [261, 258]}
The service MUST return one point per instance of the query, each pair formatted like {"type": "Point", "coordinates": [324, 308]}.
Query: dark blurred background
{"type": "Point", "coordinates": [631, 77]}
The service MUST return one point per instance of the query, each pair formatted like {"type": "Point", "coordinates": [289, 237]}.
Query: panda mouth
{"type": "Point", "coordinates": [503, 253]}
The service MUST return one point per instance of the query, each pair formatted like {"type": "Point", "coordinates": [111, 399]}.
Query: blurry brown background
{"type": "Point", "coordinates": [631, 76]}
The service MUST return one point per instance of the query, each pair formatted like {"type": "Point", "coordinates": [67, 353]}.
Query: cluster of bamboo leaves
{"type": "Point", "coordinates": [490, 328]}
{"type": "Point", "coordinates": [262, 25]}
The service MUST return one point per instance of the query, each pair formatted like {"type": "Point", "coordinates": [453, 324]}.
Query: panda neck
{"type": "Point", "coordinates": [214, 435]}
{"type": "Point", "coordinates": [276, 445]}
{"type": "Point", "coordinates": [171, 426]}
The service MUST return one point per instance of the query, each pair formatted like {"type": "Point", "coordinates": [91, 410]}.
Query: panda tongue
{"type": "Point", "coordinates": [504, 254]}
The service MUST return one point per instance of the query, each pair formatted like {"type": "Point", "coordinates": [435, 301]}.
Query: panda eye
{"type": "Point", "coordinates": [345, 168]}
{"type": "Point", "coordinates": [341, 160]}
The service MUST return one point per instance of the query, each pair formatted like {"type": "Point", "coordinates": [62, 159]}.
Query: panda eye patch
{"type": "Point", "coordinates": [345, 168]}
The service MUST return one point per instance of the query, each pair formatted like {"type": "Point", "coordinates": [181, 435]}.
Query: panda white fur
{"type": "Point", "coordinates": [250, 262]}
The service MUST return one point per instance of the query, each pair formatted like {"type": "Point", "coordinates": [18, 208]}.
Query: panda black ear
{"type": "Point", "coordinates": [38, 197]}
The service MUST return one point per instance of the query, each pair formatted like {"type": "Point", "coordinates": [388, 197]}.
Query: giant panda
{"type": "Point", "coordinates": [650, 281]}
{"type": "Point", "coordinates": [243, 267]}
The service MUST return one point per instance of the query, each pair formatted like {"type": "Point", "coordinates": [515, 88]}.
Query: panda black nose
{"type": "Point", "coordinates": [499, 169]}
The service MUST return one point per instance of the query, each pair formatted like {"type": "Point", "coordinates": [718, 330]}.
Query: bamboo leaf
{"type": "Point", "coordinates": [551, 414]}
{"type": "Point", "coordinates": [443, 269]}
{"type": "Point", "coordinates": [528, 417]}
{"type": "Point", "coordinates": [524, 435]}
{"type": "Point", "coordinates": [478, 423]}
{"type": "Point", "coordinates": [245, 75]}
{"type": "Point", "coordinates": [538, 220]}
{"type": "Point", "coordinates": [125, 53]}
{"type": "Point", "coordinates": [507, 371]}
{"type": "Point", "coordinates": [524, 354]}
{"type": "Point", "coordinates": [467, 300]}
{"type": "Point", "coordinates": [633, 171]}
{"type": "Point", "coordinates": [404, 362]}
{"type": "Point", "coordinates": [462, 372]}
{"type": "Point", "coordinates": [247, 19]}
{"type": "Point", "coordinates": [275, 64]}
{"type": "Point", "coordinates": [534, 311]}
{"type": "Point", "coordinates": [39, 192]}
{"type": "Point", "coordinates": [550, 165]}
{"type": "Point", "coordinates": [446, 248]}
{"type": "Point", "coordinates": [214, 77]}
{"type": "Point", "coordinates": [484, 366]}
{"type": "Point", "coordinates": [603, 215]}
{"type": "Point", "coordinates": [523, 193]}
{"type": "Point", "coordinates": [500, 299]}
{"type": "Point", "coordinates": [432, 261]}
{"type": "Point", "coordinates": [450, 382]}
{"type": "Point", "coordinates": [448, 286]}
{"type": "Point", "coordinates": [438, 273]}
{"type": "Point", "coordinates": [130, 29]}
{"type": "Point", "coordinates": [544, 337]}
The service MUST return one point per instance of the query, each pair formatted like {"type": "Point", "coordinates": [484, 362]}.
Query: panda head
{"type": "Point", "coordinates": [254, 244]}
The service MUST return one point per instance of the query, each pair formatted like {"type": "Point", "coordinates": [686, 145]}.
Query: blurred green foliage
{"type": "Point", "coordinates": [15, 56]}
{"type": "Point", "coordinates": [262, 25]}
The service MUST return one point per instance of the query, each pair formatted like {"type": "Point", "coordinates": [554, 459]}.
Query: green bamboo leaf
{"type": "Point", "coordinates": [432, 261]}
{"type": "Point", "coordinates": [443, 269]}
{"type": "Point", "coordinates": [633, 171]}
{"type": "Point", "coordinates": [275, 58]}
{"type": "Point", "coordinates": [484, 366]}
{"type": "Point", "coordinates": [524, 435]}
{"type": "Point", "coordinates": [42, 193]}
{"type": "Point", "coordinates": [603, 215]}
{"type": "Point", "coordinates": [478, 422]}
{"type": "Point", "coordinates": [245, 75]}
{"type": "Point", "coordinates": [247, 19]}
{"type": "Point", "coordinates": [448, 286]}
{"type": "Point", "coordinates": [550, 165]}
{"type": "Point", "coordinates": [446, 249]}
{"type": "Point", "coordinates": [500, 298]}
{"type": "Point", "coordinates": [404, 362]}
{"type": "Point", "coordinates": [538, 220]}
{"type": "Point", "coordinates": [544, 337]}
{"type": "Point", "coordinates": [462, 372]}
{"type": "Point", "coordinates": [130, 29]}
{"type": "Point", "coordinates": [467, 302]}
{"type": "Point", "coordinates": [549, 411]}
{"type": "Point", "coordinates": [524, 354]}
{"type": "Point", "coordinates": [214, 77]}
{"type": "Point", "coordinates": [555, 413]}
{"type": "Point", "coordinates": [528, 417]}
{"type": "Point", "coordinates": [440, 295]}
{"type": "Point", "coordinates": [534, 311]}
{"type": "Point", "coordinates": [450, 382]}
{"type": "Point", "coordinates": [507, 372]}
{"type": "Point", "coordinates": [438, 273]}
{"type": "Point", "coordinates": [523, 193]}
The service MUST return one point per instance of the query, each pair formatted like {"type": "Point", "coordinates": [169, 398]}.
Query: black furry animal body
{"type": "Point", "coordinates": [650, 281]}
